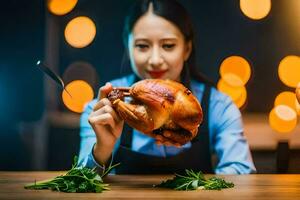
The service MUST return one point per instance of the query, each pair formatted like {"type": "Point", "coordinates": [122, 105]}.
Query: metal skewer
{"type": "Point", "coordinates": [52, 75]}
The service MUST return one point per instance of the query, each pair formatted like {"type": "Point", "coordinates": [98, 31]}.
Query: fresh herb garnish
{"type": "Point", "coordinates": [195, 180]}
{"type": "Point", "coordinates": [77, 179]}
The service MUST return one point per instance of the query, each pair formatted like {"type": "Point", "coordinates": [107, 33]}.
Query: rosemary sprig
{"type": "Point", "coordinates": [195, 180]}
{"type": "Point", "coordinates": [77, 179]}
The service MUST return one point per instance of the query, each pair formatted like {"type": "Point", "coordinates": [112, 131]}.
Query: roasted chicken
{"type": "Point", "coordinates": [159, 107]}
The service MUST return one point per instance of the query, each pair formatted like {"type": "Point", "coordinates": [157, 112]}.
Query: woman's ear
{"type": "Point", "coordinates": [188, 50]}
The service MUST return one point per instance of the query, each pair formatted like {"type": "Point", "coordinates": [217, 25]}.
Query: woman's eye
{"type": "Point", "coordinates": [141, 46]}
{"type": "Point", "coordinates": [168, 46]}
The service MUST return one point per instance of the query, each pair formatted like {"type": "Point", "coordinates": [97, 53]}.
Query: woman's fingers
{"type": "Point", "coordinates": [108, 109]}
{"type": "Point", "coordinates": [101, 103]}
{"type": "Point", "coordinates": [104, 90]}
{"type": "Point", "coordinates": [104, 105]}
{"type": "Point", "coordinates": [103, 119]}
{"type": "Point", "coordinates": [105, 115]}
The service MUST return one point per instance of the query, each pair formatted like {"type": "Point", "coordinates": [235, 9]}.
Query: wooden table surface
{"type": "Point", "coordinates": [271, 187]}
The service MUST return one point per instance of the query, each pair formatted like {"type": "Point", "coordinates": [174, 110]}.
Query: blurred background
{"type": "Point", "coordinates": [249, 48]}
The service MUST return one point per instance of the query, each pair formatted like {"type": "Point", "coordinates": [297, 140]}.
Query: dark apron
{"type": "Point", "coordinates": [197, 157]}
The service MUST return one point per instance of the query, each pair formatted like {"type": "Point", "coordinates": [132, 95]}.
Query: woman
{"type": "Point", "coordinates": [159, 37]}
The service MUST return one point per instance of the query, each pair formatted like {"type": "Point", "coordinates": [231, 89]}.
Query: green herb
{"type": "Point", "coordinates": [77, 179]}
{"type": "Point", "coordinates": [195, 180]}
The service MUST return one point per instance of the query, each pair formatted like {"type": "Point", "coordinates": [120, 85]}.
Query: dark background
{"type": "Point", "coordinates": [29, 32]}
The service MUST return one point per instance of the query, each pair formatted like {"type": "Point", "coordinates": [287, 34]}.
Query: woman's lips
{"type": "Point", "coordinates": [157, 73]}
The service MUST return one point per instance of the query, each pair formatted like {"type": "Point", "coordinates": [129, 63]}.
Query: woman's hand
{"type": "Point", "coordinates": [107, 125]}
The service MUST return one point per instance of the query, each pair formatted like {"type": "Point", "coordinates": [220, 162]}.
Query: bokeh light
{"type": "Point", "coordinates": [298, 107]}
{"type": "Point", "coordinates": [81, 93]}
{"type": "Point", "coordinates": [61, 7]}
{"type": "Point", "coordinates": [283, 119]}
{"type": "Point", "coordinates": [289, 70]}
{"type": "Point", "coordinates": [240, 102]}
{"type": "Point", "coordinates": [255, 9]}
{"type": "Point", "coordinates": [80, 32]}
{"type": "Point", "coordinates": [235, 70]}
{"type": "Point", "coordinates": [81, 70]}
{"type": "Point", "coordinates": [287, 98]}
{"type": "Point", "coordinates": [237, 94]}
{"type": "Point", "coordinates": [233, 80]}
{"type": "Point", "coordinates": [298, 92]}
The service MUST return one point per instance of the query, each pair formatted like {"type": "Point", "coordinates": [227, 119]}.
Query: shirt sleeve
{"type": "Point", "coordinates": [228, 141]}
{"type": "Point", "coordinates": [87, 140]}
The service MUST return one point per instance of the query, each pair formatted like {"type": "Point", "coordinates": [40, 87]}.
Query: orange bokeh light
{"type": "Point", "coordinates": [289, 70]}
{"type": "Point", "coordinates": [283, 119]}
{"type": "Point", "coordinates": [61, 7]}
{"type": "Point", "coordinates": [235, 70]}
{"type": "Point", "coordinates": [80, 32]}
{"type": "Point", "coordinates": [297, 107]}
{"type": "Point", "coordinates": [297, 91]}
{"type": "Point", "coordinates": [81, 93]}
{"type": "Point", "coordinates": [289, 99]}
{"type": "Point", "coordinates": [255, 9]}
{"type": "Point", "coordinates": [242, 99]}
{"type": "Point", "coordinates": [237, 94]}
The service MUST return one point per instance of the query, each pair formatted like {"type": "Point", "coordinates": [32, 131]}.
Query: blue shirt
{"type": "Point", "coordinates": [225, 126]}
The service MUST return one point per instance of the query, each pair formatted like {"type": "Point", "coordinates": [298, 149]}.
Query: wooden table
{"type": "Point", "coordinates": [270, 187]}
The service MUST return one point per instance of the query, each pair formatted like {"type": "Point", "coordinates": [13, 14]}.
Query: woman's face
{"type": "Point", "coordinates": [157, 48]}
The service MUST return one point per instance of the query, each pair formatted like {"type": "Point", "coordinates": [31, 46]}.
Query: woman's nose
{"type": "Point", "coordinates": [155, 57]}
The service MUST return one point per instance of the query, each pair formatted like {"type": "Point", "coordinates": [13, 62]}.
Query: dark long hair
{"type": "Point", "coordinates": [174, 12]}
